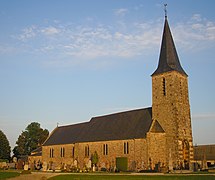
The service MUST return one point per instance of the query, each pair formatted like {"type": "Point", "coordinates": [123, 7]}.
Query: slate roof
{"type": "Point", "coordinates": [118, 126]}
{"type": "Point", "coordinates": [156, 127]}
{"type": "Point", "coordinates": [204, 152]}
{"type": "Point", "coordinates": [168, 60]}
{"type": "Point", "coordinates": [37, 152]}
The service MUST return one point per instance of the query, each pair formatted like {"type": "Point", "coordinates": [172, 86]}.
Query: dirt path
{"type": "Point", "coordinates": [35, 176]}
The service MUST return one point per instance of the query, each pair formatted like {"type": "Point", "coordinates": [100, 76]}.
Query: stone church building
{"type": "Point", "coordinates": [144, 138]}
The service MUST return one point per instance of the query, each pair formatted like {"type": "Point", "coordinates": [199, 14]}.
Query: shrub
{"type": "Point", "coordinates": [122, 163]}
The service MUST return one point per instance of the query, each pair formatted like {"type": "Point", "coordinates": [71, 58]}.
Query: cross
{"type": "Point", "coordinates": [165, 10]}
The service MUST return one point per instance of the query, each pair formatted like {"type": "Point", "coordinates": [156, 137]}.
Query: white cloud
{"type": "Point", "coordinates": [196, 17]}
{"type": "Point", "coordinates": [121, 12]}
{"type": "Point", "coordinates": [195, 32]}
{"type": "Point", "coordinates": [50, 30]}
{"type": "Point", "coordinates": [28, 33]}
{"type": "Point", "coordinates": [210, 30]}
{"type": "Point", "coordinates": [83, 42]}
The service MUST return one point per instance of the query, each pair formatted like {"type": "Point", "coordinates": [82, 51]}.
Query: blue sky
{"type": "Point", "coordinates": [67, 61]}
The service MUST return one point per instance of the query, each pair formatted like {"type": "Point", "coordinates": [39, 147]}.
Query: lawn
{"type": "Point", "coordinates": [8, 174]}
{"type": "Point", "coordinates": [132, 177]}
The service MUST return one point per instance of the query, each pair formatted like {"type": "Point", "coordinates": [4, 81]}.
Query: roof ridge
{"type": "Point", "coordinates": [81, 123]}
{"type": "Point", "coordinates": [121, 112]}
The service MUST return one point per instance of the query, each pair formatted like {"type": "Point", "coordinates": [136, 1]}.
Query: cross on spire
{"type": "Point", "coordinates": [165, 10]}
{"type": "Point", "coordinates": [168, 60]}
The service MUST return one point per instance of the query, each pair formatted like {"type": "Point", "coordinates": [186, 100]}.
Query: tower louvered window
{"type": "Point", "coordinates": [164, 86]}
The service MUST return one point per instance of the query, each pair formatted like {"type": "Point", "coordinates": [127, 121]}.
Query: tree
{"type": "Point", "coordinates": [22, 144]}
{"type": "Point", "coordinates": [95, 158]}
{"type": "Point", "coordinates": [4, 146]}
{"type": "Point", "coordinates": [30, 139]}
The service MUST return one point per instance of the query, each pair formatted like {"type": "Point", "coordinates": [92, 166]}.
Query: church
{"type": "Point", "coordinates": [135, 140]}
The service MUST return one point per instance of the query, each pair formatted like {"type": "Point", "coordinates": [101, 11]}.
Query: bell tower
{"type": "Point", "coordinates": [170, 103]}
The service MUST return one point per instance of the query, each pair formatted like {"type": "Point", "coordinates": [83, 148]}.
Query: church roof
{"type": "Point", "coordinates": [124, 125]}
{"type": "Point", "coordinates": [204, 152]}
{"type": "Point", "coordinates": [37, 152]}
{"type": "Point", "coordinates": [156, 127]}
{"type": "Point", "coordinates": [168, 60]}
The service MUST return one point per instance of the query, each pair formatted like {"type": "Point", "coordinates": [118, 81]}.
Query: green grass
{"type": "Point", "coordinates": [8, 174]}
{"type": "Point", "coordinates": [132, 177]}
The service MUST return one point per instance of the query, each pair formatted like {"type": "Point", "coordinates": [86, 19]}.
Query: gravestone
{"type": "Point", "coordinates": [26, 167]}
{"type": "Point", "coordinates": [11, 165]}
{"type": "Point", "coordinates": [15, 159]}
{"type": "Point", "coordinates": [3, 165]}
{"type": "Point", "coordinates": [94, 168]}
{"type": "Point", "coordinates": [20, 164]}
{"type": "Point", "coordinates": [103, 165]}
{"type": "Point", "coordinates": [44, 166]}
{"type": "Point", "coordinates": [32, 166]}
{"type": "Point", "coordinates": [75, 163]}
{"type": "Point", "coordinates": [89, 164]}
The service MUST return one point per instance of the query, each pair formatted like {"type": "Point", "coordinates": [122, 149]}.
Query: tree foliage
{"type": "Point", "coordinates": [95, 158]}
{"type": "Point", "coordinates": [30, 139]}
{"type": "Point", "coordinates": [4, 146]}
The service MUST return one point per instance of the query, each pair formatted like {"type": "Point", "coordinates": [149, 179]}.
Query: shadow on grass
{"type": "Point", "coordinates": [8, 174]}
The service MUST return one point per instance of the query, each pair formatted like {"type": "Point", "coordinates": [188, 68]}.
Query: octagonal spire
{"type": "Point", "coordinates": [168, 60]}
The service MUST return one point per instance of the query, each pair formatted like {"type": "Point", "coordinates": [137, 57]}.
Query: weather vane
{"type": "Point", "coordinates": [165, 10]}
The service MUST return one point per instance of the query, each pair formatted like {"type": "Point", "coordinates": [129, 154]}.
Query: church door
{"type": "Point", "coordinates": [186, 154]}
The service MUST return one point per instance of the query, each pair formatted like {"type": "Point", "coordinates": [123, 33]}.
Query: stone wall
{"type": "Point", "coordinates": [171, 109]}
{"type": "Point", "coordinates": [135, 151]}
{"type": "Point", "coordinates": [156, 143]}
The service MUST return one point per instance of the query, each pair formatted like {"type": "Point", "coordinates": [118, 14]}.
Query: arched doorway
{"type": "Point", "coordinates": [186, 154]}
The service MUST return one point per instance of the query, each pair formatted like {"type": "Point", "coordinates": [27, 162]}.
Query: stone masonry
{"type": "Point", "coordinates": [171, 108]}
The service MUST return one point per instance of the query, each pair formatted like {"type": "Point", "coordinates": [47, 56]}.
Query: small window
{"type": "Point", "coordinates": [62, 152]}
{"type": "Point", "coordinates": [126, 148]}
{"type": "Point", "coordinates": [105, 149]}
{"type": "Point", "coordinates": [51, 153]}
{"type": "Point", "coordinates": [73, 151]}
{"type": "Point", "coordinates": [87, 151]}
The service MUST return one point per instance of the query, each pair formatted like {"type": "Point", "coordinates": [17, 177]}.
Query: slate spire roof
{"type": "Point", "coordinates": [168, 60]}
